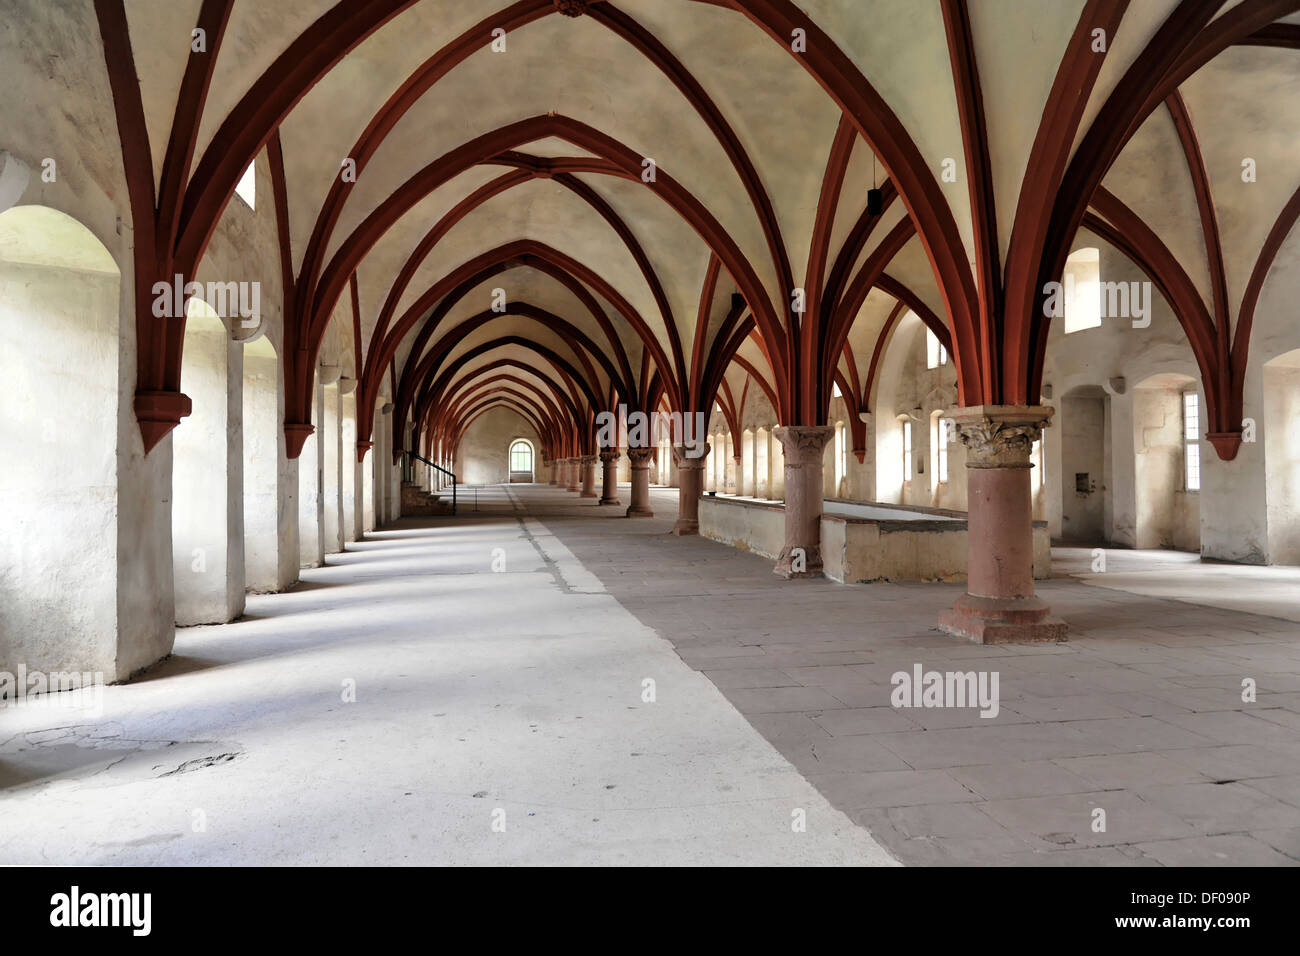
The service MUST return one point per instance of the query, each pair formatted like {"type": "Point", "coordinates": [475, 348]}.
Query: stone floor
{"type": "Point", "coordinates": [1140, 714]}
{"type": "Point", "coordinates": [496, 682]}
{"type": "Point", "coordinates": [521, 690]}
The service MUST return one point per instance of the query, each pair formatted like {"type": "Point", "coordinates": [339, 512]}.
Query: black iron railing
{"type": "Point", "coordinates": [409, 458]}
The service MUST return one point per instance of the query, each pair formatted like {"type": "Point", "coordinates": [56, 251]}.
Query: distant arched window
{"type": "Point", "coordinates": [521, 460]}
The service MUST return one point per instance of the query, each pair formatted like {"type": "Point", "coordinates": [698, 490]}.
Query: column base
{"type": "Point", "coordinates": [809, 567]}
{"type": "Point", "coordinates": [686, 526]}
{"type": "Point", "coordinates": [634, 512]}
{"type": "Point", "coordinates": [610, 501]}
{"type": "Point", "coordinates": [588, 494]}
{"type": "Point", "coordinates": [987, 620]}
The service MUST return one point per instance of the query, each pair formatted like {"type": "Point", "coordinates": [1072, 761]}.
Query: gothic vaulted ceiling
{"type": "Point", "coordinates": [567, 205]}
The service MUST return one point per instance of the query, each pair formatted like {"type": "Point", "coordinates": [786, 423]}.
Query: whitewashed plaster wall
{"type": "Point", "coordinates": [481, 457]}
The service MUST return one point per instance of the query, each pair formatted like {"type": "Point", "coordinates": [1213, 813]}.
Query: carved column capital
{"type": "Point", "coordinates": [640, 457]}
{"type": "Point", "coordinates": [803, 444]}
{"type": "Point", "coordinates": [1000, 436]}
{"type": "Point", "coordinates": [690, 456]}
{"type": "Point", "coordinates": [609, 456]}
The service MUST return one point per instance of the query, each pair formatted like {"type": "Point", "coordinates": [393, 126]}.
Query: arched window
{"type": "Point", "coordinates": [521, 460]}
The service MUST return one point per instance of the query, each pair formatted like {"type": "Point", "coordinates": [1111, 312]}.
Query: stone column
{"type": "Point", "coordinates": [554, 469]}
{"type": "Point", "coordinates": [641, 459]}
{"type": "Point", "coordinates": [739, 473]}
{"type": "Point", "coordinates": [689, 460]}
{"type": "Point", "coordinates": [999, 604]}
{"type": "Point", "coordinates": [609, 476]}
{"type": "Point", "coordinates": [573, 467]}
{"type": "Point", "coordinates": [588, 476]}
{"type": "Point", "coordinates": [803, 446]}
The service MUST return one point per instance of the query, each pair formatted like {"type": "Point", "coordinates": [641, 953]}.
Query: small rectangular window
{"type": "Point", "coordinates": [943, 451]}
{"type": "Point", "coordinates": [935, 353]}
{"type": "Point", "coordinates": [841, 456]}
{"type": "Point", "coordinates": [1191, 441]}
{"type": "Point", "coordinates": [246, 188]}
{"type": "Point", "coordinates": [1081, 290]}
{"type": "Point", "coordinates": [907, 451]}
{"type": "Point", "coordinates": [939, 429]}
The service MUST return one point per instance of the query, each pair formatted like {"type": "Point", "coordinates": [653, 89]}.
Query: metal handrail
{"type": "Point", "coordinates": [408, 473]}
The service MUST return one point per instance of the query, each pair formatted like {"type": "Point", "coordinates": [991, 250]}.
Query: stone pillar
{"type": "Point", "coordinates": [739, 473]}
{"type": "Point", "coordinates": [572, 473]}
{"type": "Point", "coordinates": [999, 604]}
{"type": "Point", "coordinates": [609, 476]}
{"type": "Point", "coordinates": [555, 471]}
{"type": "Point", "coordinates": [689, 460]}
{"type": "Point", "coordinates": [803, 445]}
{"type": "Point", "coordinates": [588, 476]}
{"type": "Point", "coordinates": [642, 460]}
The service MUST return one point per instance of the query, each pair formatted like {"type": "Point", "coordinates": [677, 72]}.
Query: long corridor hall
{"type": "Point", "coordinates": [538, 701]}
{"type": "Point", "coordinates": [650, 432]}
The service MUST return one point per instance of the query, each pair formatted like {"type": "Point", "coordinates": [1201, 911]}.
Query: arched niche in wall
{"type": "Point", "coordinates": [1085, 455]}
{"type": "Point", "coordinates": [311, 507]}
{"type": "Point", "coordinates": [746, 481]}
{"type": "Point", "coordinates": [207, 475]}
{"type": "Point", "coordinates": [896, 392]}
{"type": "Point", "coordinates": [262, 455]}
{"type": "Point", "coordinates": [351, 471]}
{"type": "Point", "coordinates": [59, 323]}
{"type": "Point", "coordinates": [1166, 461]}
{"type": "Point", "coordinates": [1281, 436]}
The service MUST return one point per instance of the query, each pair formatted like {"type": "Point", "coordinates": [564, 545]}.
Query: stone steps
{"type": "Point", "coordinates": [417, 501]}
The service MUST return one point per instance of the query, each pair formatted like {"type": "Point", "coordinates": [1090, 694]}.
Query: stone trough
{"type": "Point", "coordinates": [861, 541]}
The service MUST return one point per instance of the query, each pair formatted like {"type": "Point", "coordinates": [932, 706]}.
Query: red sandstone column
{"type": "Point", "coordinates": [803, 445]}
{"type": "Point", "coordinates": [573, 474]}
{"type": "Point", "coordinates": [690, 472]}
{"type": "Point", "coordinates": [641, 459]}
{"type": "Point", "coordinates": [609, 476]}
{"type": "Point", "coordinates": [555, 471]}
{"type": "Point", "coordinates": [588, 476]}
{"type": "Point", "coordinates": [1000, 604]}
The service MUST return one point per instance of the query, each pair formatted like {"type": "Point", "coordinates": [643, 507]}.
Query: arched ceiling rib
{"type": "Point", "coordinates": [479, 169]}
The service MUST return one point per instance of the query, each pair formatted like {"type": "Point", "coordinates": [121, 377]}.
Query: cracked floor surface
{"type": "Point", "coordinates": [500, 717]}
